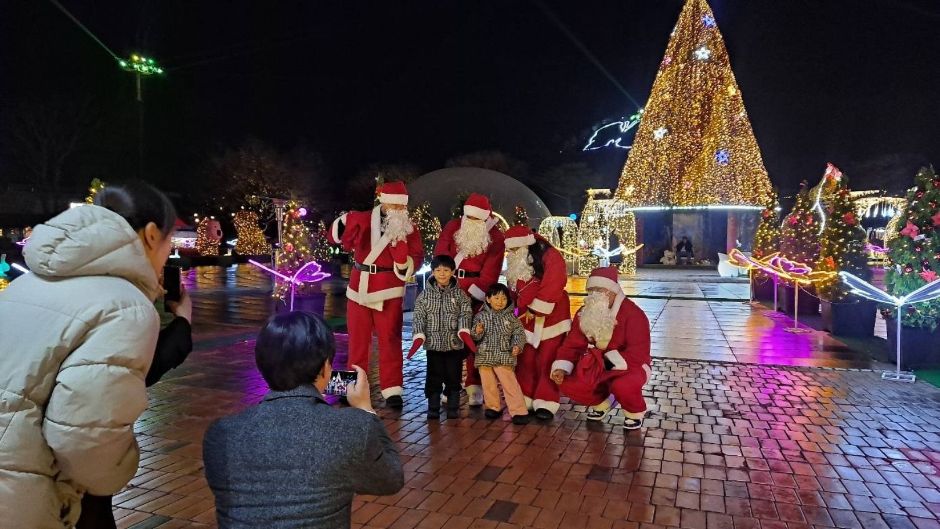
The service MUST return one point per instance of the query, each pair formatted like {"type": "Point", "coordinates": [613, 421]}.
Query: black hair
{"type": "Point", "coordinates": [536, 252]}
{"type": "Point", "coordinates": [443, 260]}
{"type": "Point", "coordinates": [498, 288]}
{"type": "Point", "coordinates": [139, 204]}
{"type": "Point", "coordinates": [292, 348]}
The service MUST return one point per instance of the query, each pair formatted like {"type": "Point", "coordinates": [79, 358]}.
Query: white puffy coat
{"type": "Point", "coordinates": [77, 336]}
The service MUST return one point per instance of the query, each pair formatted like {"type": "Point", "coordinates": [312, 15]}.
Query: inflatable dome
{"type": "Point", "coordinates": [440, 190]}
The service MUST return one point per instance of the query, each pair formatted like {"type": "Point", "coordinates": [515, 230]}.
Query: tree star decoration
{"type": "Point", "coordinates": [702, 53]}
{"type": "Point", "coordinates": [722, 157]}
{"type": "Point", "coordinates": [708, 20]}
{"type": "Point", "coordinates": [865, 289]}
{"type": "Point", "coordinates": [661, 132]}
{"type": "Point", "coordinates": [911, 230]}
{"type": "Point", "coordinates": [308, 273]}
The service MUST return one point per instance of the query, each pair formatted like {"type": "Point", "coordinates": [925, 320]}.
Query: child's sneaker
{"type": "Point", "coordinates": [594, 414]}
{"type": "Point", "coordinates": [491, 414]}
{"type": "Point", "coordinates": [520, 419]}
{"type": "Point", "coordinates": [632, 424]}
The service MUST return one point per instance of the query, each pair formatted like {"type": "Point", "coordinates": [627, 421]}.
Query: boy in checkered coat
{"type": "Point", "coordinates": [501, 338]}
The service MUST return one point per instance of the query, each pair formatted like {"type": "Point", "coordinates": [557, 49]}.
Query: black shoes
{"type": "Point", "coordinates": [492, 414]}
{"type": "Point", "coordinates": [394, 402]}
{"type": "Point", "coordinates": [544, 415]}
{"type": "Point", "coordinates": [434, 407]}
{"type": "Point", "coordinates": [520, 419]}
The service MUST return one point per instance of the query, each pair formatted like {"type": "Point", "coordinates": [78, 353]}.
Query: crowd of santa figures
{"type": "Point", "coordinates": [598, 358]}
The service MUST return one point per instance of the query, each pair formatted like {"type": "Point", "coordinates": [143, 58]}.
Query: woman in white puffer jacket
{"type": "Point", "coordinates": [77, 336]}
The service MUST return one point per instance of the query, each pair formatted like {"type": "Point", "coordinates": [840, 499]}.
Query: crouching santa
{"type": "Point", "coordinates": [385, 246]}
{"type": "Point", "coordinates": [536, 274]}
{"type": "Point", "coordinates": [607, 352]}
{"type": "Point", "coordinates": [476, 245]}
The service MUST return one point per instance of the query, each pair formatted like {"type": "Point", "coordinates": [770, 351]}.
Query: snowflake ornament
{"type": "Point", "coordinates": [660, 133]}
{"type": "Point", "coordinates": [722, 157]}
{"type": "Point", "coordinates": [702, 53]}
{"type": "Point", "coordinates": [708, 20]}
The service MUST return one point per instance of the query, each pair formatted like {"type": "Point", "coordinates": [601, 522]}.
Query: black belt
{"type": "Point", "coordinates": [461, 273]}
{"type": "Point", "coordinates": [371, 269]}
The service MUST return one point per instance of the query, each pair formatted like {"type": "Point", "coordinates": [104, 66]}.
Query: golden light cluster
{"type": "Point", "coordinates": [251, 240]}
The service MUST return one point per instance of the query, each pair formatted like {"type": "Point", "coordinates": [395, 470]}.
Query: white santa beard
{"type": "Point", "coordinates": [518, 267]}
{"type": "Point", "coordinates": [472, 238]}
{"type": "Point", "coordinates": [597, 320]}
{"type": "Point", "coordinates": [396, 225]}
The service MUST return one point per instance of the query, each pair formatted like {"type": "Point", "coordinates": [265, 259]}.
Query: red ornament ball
{"type": "Point", "coordinates": [289, 247]}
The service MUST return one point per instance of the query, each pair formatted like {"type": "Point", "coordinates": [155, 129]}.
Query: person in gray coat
{"type": "Point", "coordinates": [293, 461]}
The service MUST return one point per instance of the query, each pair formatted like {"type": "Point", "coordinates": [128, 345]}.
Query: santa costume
{"type": "Point", "coordinates": [539, 293]}
{"type": "Point", "coordinates": [476, 245]}
{"type": "Point", "coordinates": [385, 246]}
{"type": "Point", "coordinates": [607, 352]}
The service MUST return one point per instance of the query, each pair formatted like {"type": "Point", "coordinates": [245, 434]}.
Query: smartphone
{"type": "Point", "coordinates": [171, 283]}
{"type": "Point", "coordinates": [338, 382]}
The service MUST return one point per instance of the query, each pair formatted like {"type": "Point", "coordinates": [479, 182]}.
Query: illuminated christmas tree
{"type": "Point", "coordinates": [208, 235]}
{"type": "Point", "coordinates": [842, 245]}
{"type": "Point", "coordinates": [520, 216]}
{"type": "Point", "coordinates": [429, 226]}
{"type": "Point", "coordinates": [251, 240]}
{"type": "Point", "coordinates": [694, 145]}
{"type": "Point", "coordinates": [767, 236]}
{"type": "Point", "coordinates": [799, 238]}
{"type": "Point", "coordinates": [297, 250]}
{"type": "Point", "coordinates": [93, 188]}
{"type": "Point", "coordinates": [323, 251]}
{"type": "Point", "coordinates": [456, 211]}
{"type": "Point", "coordinates": [914, 256]}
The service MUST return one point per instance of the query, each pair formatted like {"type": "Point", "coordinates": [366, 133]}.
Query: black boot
{"type": "Point", "coordinates": [453, 406]}
{"type": "Point", "coordinates": [434, 407]}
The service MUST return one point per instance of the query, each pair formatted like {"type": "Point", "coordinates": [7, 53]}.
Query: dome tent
{"type": "Point", "coordinates": [441, 188]}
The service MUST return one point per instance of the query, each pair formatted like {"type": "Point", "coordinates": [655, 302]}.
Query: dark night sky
{"type": "Point", "coordinates": [836, 80]}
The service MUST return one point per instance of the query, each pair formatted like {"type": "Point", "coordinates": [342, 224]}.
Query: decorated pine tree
{"type": "Point", "coordinates": [297, 250]}
{"type": "Point", "coordinates": [914, 256]}
{"type": "Point", "coordinates": [767, 235]}
{"type": "Point", "coordinates": [323, 250]}
{"type": "Point", "coordinates": [842, 245]}
{"type": "Point", "coordinates": [251, 240]}
{"type": "Point", "coordinates": [456, 211]}
{"type": "Point", "coordinates": [694, 145]}
{"type": "Point", "coordinates": [799, 237]}
{"type": "Point", "coordinates": [429, 226]}
{"type": "Point", "coordinates": [520, 216]}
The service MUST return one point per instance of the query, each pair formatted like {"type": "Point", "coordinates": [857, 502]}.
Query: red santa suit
{"type": "Point", "coordinates": [377, 285]}
{"type": "Point", "coordinates": [474, 273]}
{"type": "Point", "coordinates": [546, 299]}
{"type": "Point", "coordinates": [627, 351]}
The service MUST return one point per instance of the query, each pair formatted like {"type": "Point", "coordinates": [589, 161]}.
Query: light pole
{"type": "Point", "coordinates": [140, 66]}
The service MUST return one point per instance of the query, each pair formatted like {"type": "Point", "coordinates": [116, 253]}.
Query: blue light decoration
{"type": "Point", "coordinates": [573, 216]}
{"type": "Point", "coordinates": [722, 157]}
{"type": "Point", "coordinates": [708, 21]}
{"type": "Point", "coordinates": [865, 289]}
{"type": "Point", "coordinates": [4, 266]}
{"type": "Point", "coordinates": [613, 133]}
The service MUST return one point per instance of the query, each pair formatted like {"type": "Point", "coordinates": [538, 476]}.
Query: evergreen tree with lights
{"type": "Point", "coordinates": [842, 245]}
{"type": "Point", "coordinates": [520, 216]}
{"type": "Point", "coordinates": [94, 187]}
{"type": "Point", "coordinates": [323, 251]}
{"type": "Point", "coordinates": [456, 211]}
{"type": "Point", "coordinates": [297, 250]}
{"type": "Point", "coordinates": [251, 240]}
{"type": "Point", "coordinates": [206, 245]}
{"type": "Point", "coordinates": [767, 235]}
{"type": "Point", "coordinates": [429, 226]}
{"type": "Point", "coordinates": [694, 145]}
{"type": "Point", "coordinates": [799, 239]}
{"type": "Point", "coordinates": [914, 255]}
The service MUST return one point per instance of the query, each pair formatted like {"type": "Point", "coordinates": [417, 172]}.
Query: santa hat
{"type": "Point", "coordinates": [393, 193]}
{"type": "Point", "coordinates": [477, 206]}
{"type": "Point", "coordinates": [519, 236]}
{"type": "Point", "coordinates": [605, 277]}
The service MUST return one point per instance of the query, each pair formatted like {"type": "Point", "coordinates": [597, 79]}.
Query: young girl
{"type": "Point", "coordinates": [501, 339]}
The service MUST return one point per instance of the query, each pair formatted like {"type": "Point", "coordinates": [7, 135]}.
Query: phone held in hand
{"type": "Point", "coordinates": [171, 283]}
{"type": "Point", "coordinates": [338, 382]}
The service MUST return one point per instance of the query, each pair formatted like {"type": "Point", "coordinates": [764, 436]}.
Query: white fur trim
{"type": "Point", "coordinates": [477, 292]}
{"type": "Point", "coordinates": [547, 333]}
{"type": "Point", "coordinates": [545, 405]}
{"type": "Point", "coordinates": [542, 306]}
{"type": "Point", "coordinates": [408, 265]}
{"type": "Point", "coordinates": [334, 228]}
{"type": "Point", "coordinates": [564, 365]}
{"type": "Point", "coordinates": [392, 391]}
{"type": "Point", "coordinates": [519, 242]}
{"type": "Point", "coordinates": [475, 212]}
{"type": "Point", "coordinates": [386, 198]}
{"type": "Point", "coordinates": [464, 331]}
{"type": "Point", "coordinates": [620, 364]}
{"type": "Point", "coordinates": [528, 402]}
{"type": "Point", "coordinates": [419, 336]}
{"type": "Point", "coordinates": [375, 300]}
{"type": "Point", "coordinates": [603, 282]}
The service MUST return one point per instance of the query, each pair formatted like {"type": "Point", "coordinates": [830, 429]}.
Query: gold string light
{"type": "Point", "coordinates": [251, 240]}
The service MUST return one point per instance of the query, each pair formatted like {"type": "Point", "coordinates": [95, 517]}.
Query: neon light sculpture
{"type": "Point", "coordinates": [612, 133]}
{"type": "Point", "coordinates": [4, 266]}
{"type": "Point", "coordinates": [865, 289]}
{"type": "Point", "coordinates": [308, 273]}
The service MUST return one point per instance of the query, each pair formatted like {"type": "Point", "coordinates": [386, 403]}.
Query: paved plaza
{"type": "Point", "coordinates": [751, 427]}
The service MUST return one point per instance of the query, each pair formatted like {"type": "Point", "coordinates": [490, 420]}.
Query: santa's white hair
{"type": "Point", "coordinates": [519, 265]}
{"type": "Point", "coordinates": [396, 225]}
{"type": "Point", "coordinates": [473, 237]}
{"type": "Point", "coordinates": [597, 319]}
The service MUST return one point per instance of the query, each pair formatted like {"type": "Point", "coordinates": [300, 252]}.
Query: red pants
{"type": "Point", "coordinates": [590, 384]}
{"type": "Point", "coordinates": [473, 376]}
{"type": "Point", "coordinates": [533, 371]}
{"type": "Point", "coordinates": [386, 323]}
